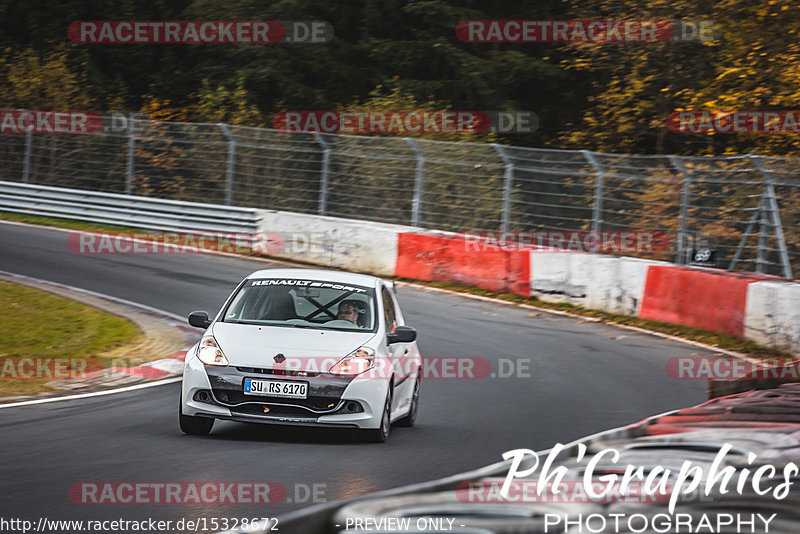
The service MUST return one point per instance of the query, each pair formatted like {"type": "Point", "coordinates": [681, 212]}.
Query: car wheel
{"type": "Point", "coordinates": [195, 426]}
{"type": "Point", "coordinates": [409, 419]}
{"type": "Point", "coordinates": [380, 434]}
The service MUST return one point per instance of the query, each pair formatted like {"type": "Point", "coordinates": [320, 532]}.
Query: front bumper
{"type": "Point", "coordinates": [329, 402]}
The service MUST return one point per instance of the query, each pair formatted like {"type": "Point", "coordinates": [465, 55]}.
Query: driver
{"type": "Point", "coordinates": [348, 312]}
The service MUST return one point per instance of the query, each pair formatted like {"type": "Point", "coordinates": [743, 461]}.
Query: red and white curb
{"type": "Point", "coordinates": [155, 370]}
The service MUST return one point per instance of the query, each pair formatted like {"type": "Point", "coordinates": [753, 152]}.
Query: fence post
{"type": "Point", "coordinates": [599, 185]}
{"type": "Point", "coordinates": [508, 185]}
{"type": "Point", "coordinates": [323, 178]}
{"type": "Point", "coordinates": [771, 204]}
{"type": "Point", "coordinates": [683, 222]}
{"type": "Point", "coordinates": [231, 162]}
{"type": "Point", "coordinates": [418, 182]}
{"type": "Point", "coordinates": [746, 234]}
{"type": "Point", "coordinates": [129, 164]}
{"type": "Point", "coordinates": [763, 237]}
{"type": "Point", "coordinates": [26, 160]}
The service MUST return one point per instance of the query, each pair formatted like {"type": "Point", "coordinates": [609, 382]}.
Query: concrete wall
{"type": "Point", "coordinates": [333, 242]}
{"type": "Point", "coordinates": [608, 283]}
{"type": "Point", "coordinates": [759, 308]}
{"type": "Point", "coordinates": [772, 315]}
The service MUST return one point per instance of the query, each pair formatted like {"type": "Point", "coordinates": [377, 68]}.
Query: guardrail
{"type": "Point", "coordinates": [138, 212]}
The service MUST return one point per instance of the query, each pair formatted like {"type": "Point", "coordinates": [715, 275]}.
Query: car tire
{"type": "Point", "coordinates": [410, 419]}
{"type": "Point", "coordinates": [381, 434]}
{"type": "Point", "coordinates": [192, 425]}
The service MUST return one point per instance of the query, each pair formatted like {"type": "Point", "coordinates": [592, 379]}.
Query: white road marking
{"type": "Point", "coordinates": [168, 365]}
{"type": "Point", "coordinates": [94, 394]}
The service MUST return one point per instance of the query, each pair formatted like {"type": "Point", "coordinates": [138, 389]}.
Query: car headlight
{"type": "Point", "coordinates": [209, 352]}
{"type": "Point", "coordinates": [354, 363]}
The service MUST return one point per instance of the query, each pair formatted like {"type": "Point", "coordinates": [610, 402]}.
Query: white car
{"type": "Point", "coordinates": [304, 347]}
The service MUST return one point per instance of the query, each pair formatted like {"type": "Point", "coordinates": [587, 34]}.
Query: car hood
{"type": "Point", "coordinates": [256, 346]}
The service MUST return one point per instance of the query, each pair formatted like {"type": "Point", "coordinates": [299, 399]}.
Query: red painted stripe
{"type": "Point", "coordinates": [679, 427]}
{"type": "Point", "coordinates": [180, 355]}
{"type": "Point", "coordinates": [454, 259]}
{"type": "Point", "coordinates": [700, 298]}
{"type": "Point", "coordinates": [733, 417]}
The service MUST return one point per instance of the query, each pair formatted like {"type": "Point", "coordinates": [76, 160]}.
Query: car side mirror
{"type": "Point", "coordinates": [402, 334]}
{"type": "Point", "coordinates": [199, 319]}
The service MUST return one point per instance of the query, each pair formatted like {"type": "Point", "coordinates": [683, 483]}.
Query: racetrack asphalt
{"type": "Point", "coordinates": [584, 377]}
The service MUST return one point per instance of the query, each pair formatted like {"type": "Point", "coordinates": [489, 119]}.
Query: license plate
{"type": "Point", "coordinates": [276, 388]}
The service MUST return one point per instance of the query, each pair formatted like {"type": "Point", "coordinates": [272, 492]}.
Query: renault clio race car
{"type": "Point", "coordinates": [304, 347]}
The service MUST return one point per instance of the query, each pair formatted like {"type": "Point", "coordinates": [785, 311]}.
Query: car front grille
{"type": "Point", "coordinates": [278, 372]}
{"type": "Point", "coordinates": [227, 386]}
{"type": "Point", "coordinates": [311, 404]}
{"type": "Point", "coordinates": [275, 409]}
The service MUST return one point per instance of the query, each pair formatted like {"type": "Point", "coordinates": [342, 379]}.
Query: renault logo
{"type": "Point", "coordinates": [279, 358]}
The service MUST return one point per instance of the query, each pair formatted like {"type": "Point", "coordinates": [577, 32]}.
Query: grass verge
{"type": "Point", "coordinates": [47, 337]}
{"type": "Point", "coordinates": [71, 224]}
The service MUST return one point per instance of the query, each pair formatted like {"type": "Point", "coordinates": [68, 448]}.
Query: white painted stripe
{"type": "Point", "coordinates": [168, 365]}
{"type": "Point", "coordinates": [772, 315]}
{"type": "Point", "coordinates": [94, 394]}
{"type": "Point", "coordinates": [333, 242]}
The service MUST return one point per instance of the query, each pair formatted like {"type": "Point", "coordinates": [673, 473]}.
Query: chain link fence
{"type": "Point", "coordinates": [744, 208]}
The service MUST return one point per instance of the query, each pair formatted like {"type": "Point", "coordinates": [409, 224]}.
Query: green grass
{"type": "Point", "coordinates": [71, 224]}
{"type": "Point", "coordinates": [41, 326]}
{"type": "Point", "coordinates": [722, 341]}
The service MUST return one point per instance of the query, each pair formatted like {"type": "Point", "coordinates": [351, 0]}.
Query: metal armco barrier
{"type": "Point", "coordinates": [138, 212]}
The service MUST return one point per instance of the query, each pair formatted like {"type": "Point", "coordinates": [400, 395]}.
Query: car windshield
{"type": "Point", "coordinates": [302, 303]}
